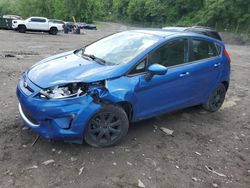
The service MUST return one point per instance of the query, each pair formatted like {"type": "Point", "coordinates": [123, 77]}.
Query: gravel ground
{"type": "Point", "coordinates": [207, 149]}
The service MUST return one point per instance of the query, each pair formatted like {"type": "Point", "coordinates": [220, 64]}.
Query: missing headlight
{"type": "Point", "coordinates": [66, 91]}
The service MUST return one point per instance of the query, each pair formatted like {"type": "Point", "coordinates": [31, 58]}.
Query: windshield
{"type": "Point", "coordinates": [121, 48]}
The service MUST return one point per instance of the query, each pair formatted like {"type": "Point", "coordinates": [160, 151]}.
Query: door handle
{"type": "Point", "coordinates": [184, 74]}
{"type": "Point", "coordinates": [217, 64]}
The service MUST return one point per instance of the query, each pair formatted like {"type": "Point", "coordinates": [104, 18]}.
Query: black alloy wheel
{"type": "Point", "coordinates": [53, 31]}
{"type": "Point", "coordinates": [216, 99]}
{"type": "Point", "coordinates": [107, 127]}
{"type": "Point", "coordinates": [21, 29]}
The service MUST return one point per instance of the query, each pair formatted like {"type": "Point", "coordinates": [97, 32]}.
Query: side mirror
{"type": "Point", "coordinates": [155, 69]}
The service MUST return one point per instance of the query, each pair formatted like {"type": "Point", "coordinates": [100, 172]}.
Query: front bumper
{"type": "Point", "coordinates": [55, 119]}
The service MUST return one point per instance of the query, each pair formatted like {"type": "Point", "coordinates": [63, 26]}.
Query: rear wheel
{"type": "Point", "coordinates": [107, 127]}
{"type": "Point", "coordinates": [216, 99]}
{"type": "Point", "coordinates": [53, 31]}
{"type": "Point", "coordinates": [21, 29]}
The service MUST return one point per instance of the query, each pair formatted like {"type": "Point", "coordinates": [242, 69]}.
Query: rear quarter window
{"type": "Point", "coordinates": [203, 49]}
{"type": "Point", "coordinates": [219, 49]}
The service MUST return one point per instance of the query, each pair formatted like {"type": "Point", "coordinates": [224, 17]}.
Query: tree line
{"type": "Point", "coordinates": [213, 13]}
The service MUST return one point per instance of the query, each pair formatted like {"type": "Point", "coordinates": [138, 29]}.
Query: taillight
{"type": "Point", "coordinates": [227, 55]}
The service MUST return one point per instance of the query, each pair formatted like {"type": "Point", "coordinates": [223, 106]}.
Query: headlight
{"type": "Point", "coordinates": [67, 91]}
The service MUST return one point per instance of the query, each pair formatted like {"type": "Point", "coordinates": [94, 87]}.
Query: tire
{"type": "Point", "coordinates": [216, 99]}
{"type": "Point", "coordinates": [107, 127]}
{"type": "Point", "coordinates": [21, 28]}
{"type": "Point", "coordinates": [53, 31]}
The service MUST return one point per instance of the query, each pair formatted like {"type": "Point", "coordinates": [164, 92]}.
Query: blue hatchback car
{"type": "Point", "coordinates": [94, 92]}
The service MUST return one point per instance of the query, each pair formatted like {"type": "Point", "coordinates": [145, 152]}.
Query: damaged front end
{"type": "Point", "coordinates": [96, 90]}
{"type": "Point", "coordinates": [60, 112]}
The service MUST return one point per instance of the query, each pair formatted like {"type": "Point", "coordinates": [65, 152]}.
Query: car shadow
{"type": "Point", "coordinates": [138, 132]}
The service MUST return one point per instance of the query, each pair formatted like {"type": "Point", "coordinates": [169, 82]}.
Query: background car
{"type": "Point", "coordinates": [13, 17]}
{"type": "Point", "coordinates": [94, 92]}
{"type": "Point", "coordinates": [37, 24]}
{"type": "Point", "coordinates": [6, 21]}
{"type": "Point", "coordinates": [87, 26]}
{"type": "Point", "coordinates": [68, 27]}
{"type": "Point", "coordinates": [197, 29]}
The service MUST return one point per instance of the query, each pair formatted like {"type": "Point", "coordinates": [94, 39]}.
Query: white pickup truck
{"type": "Point", "coordinates": [39, 24]}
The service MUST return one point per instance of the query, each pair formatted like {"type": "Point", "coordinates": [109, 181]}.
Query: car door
{"type": "Point", "coordinates": [206, 65]}
{"type": "Point", "coordinates": [37, 24]}
{"type": "Point", "coordinates": [170, 91]}
{"type": "Point", "coordinates": [44, 24]}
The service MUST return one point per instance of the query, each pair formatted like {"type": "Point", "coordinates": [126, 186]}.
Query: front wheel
{"type": "Point", "coordinates": [216, 99]}
{"type": "Point", "coordinates": [107, 127]}
{"type": "Point", "coordinates": [21, 29]}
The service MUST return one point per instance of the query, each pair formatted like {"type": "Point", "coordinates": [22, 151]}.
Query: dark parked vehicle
{"type": "Point", "coordinates": [69, 26]}
{"type": "Point", "coordinates": [87, 26]}
{"type": "Point", "coordinates": [5, 23]}
{"type": "Point", "coordinates": [197, 29]}
{"type": "Point", "coordinates": [13, 17]}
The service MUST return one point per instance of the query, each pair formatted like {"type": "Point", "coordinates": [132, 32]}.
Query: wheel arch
{"type": "Point", "coordinates": [127, 107]}
{"type": "Point", "coordinates": [226, 84]}
{"type": "Point", "coordinates": [21, 25]}
{"type": "Point", "coordinates": [52, 27]}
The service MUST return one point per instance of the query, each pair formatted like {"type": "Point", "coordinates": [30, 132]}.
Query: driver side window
{"type": "Point", "coordinates": [173, 53]}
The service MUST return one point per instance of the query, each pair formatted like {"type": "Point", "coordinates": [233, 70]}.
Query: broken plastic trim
{"type": "Point", "coordinates": [98, 92]}
{"type": "Point", "coordinates": [65, 91]}
{"type": "Point", "coordinates": [95, 90]}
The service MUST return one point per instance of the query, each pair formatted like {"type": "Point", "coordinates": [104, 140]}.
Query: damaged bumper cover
{"type": "Point", "coordinates": [55, 119]}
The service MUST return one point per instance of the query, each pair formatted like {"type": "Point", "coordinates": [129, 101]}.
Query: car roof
{"type": "Point", "coordinates": [161, 33]}
{"type": "Point", "coordinates": [208, 31]}
{"type": "Point", "coordinates": [39, 17]}
{"type": "Point", "coordinates": [175, 28]}
{"type": "Point", "coordinates": [179, 28]}
{"type": "Point", "coordinates": [156, 32]}
{"type": "Point", "coordinates": [166, 33]}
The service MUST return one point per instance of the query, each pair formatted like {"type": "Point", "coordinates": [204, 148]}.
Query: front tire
{"type": "Point", "coordinates": [21, 28]}
{"type": "Point", "coordinates": [107, 127]}
{"type": "Point", "coordinates": [53, 31]}
{"type": "Point", "coordinates": [216, 99]}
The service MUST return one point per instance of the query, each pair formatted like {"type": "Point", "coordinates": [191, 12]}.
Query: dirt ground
{"type": "Point", "coordinates": [207, 149]}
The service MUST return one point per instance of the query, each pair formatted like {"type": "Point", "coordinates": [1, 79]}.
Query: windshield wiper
{"type": "Point", "coordinates": [90, 56]}
{"type": "Point", "coordinates": [96, 59]}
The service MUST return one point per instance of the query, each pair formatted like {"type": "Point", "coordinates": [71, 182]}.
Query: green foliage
{"type": "Point", "coordinates": [216, 13]}
{"type": "Point", "coordinates": [4, 7]}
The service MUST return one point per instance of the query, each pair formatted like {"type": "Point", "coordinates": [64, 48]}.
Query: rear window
{"type": "Point", "coordinates": [203, 49]}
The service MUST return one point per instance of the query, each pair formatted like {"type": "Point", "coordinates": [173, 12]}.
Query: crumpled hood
{"type": "Point", "coordinates": [67, 68]}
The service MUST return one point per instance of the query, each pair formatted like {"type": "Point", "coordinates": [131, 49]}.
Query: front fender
{"type": "Point", "coordinates": [102, 94]}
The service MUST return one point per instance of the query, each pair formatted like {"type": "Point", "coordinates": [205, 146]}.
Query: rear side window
{"type": "Point", "coordinates": [171, 54]}
{"type": "Point", "coordinates": [37, 20]}
{"type": "Point", "coordinates": [203, 49]}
